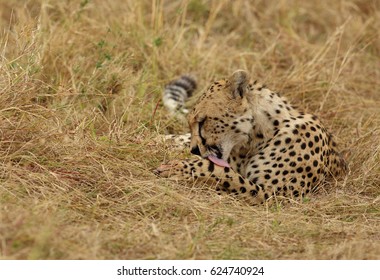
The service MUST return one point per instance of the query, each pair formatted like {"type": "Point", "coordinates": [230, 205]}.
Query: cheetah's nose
{"type": "Point", "coordinates": [195, 150]}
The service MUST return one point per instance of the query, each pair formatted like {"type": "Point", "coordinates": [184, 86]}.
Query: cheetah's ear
{"type": "Point", "coordinates": [239, 83]}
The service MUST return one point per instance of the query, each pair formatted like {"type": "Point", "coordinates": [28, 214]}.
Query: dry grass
{"type": "Point", "coordinates": [79, 85]}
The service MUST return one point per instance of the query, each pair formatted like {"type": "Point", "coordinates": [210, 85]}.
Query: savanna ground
{"type": "Point", "coordinates": [80, 91]}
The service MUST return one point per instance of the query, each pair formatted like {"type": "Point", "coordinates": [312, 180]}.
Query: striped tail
{"type": "Point", "coordinates": [177, 92]}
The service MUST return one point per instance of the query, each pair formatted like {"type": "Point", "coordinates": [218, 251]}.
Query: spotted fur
{"type": "Point", "coordinates": [274, 150]}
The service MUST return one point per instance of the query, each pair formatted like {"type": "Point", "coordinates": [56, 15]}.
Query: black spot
{"type": "Point", "coordinates": [226, 169]}
{"type": "Point", "coordinates": [276, 123]}
{"type": "Point", "coordinates": [293, 180]}
{"type": "Point", "coordinates": [275, 181]}
{"type": "Point", "coordinates": [299, 169]}
{"type": "Point", "coordinates": [211, 166]}
{"type": "Point", "coordinates": [241, 180]}
{"type": "Point", "coordinates": [316, 138]}
{"type": "Point", "coordinates": [259, 135]}
{"type": "Point", "coordinates": [310, 144]}
{"type": "Point", "coordinates": [200, 164]}
{"type": "Point", "coordinates": [303, 146]}
{"type": "Point", "coordinates": [287, 140]}
{"type": "Point", "coordinates": [292, 164]}
{"type": "Point", "coordinates": [317, 150]}
{"type": "Point", "coordinates": [278, 142]}
{"type": "Point", "coordinates": [285, 172]}
{"type": "Point", "coordinates": [315, 163]}
{"type": "Point", "coordinates": [267, 176]}
{"type": "Point", "coordinates": [253, 192]}
{"type": "Point", "coordinates": [308, 168]}
{"type": "Point", "coordinates": [307, 134]}
{"type": "Point", "coordinates": [226, 184]}
{"type": "Point", "coordinates": [296, 193]}
{"type": "Point", "coordinates": [243, 189]}
{"type": "Point", "coordinates": [266, 196]}
{"type": "Point", "coordinates": [292, 153]}
{"type": "Point", "coordinates": [295, 131]}
{"type": "Point", "coordinates": [307, 157]}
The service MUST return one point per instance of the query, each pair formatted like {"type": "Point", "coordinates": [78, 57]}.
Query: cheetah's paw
{"type": "Point", "coordinates": [175, 169]}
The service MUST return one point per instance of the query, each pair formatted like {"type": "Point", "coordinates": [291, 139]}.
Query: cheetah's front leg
{"type": "Point", "coordinates": [226, 178]}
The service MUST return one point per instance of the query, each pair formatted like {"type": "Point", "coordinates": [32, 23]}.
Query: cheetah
{"type": "Point", "coordinates": [251, 143]}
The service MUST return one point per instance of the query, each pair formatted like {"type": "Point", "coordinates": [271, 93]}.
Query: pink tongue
{"type": "Point", "coordinates": [218, 161]}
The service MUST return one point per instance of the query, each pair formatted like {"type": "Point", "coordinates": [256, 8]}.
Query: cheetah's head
{"type": "Point", "coordinates": [222, 118]}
